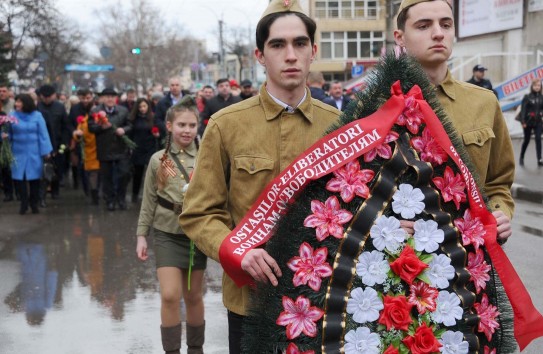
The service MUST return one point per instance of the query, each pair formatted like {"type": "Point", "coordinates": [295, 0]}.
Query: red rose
{"type": "Point", "coordinates": [423, 342]}
{"type": "Point", "coordinates": [154, 130]}
{"type": "Point", "coordinates": [80, 119]}
{"type": "Point", "coordinates": [396, 313]}
{"type": "Point", "coordinates": [408, 265]}
{"type": "Point", "coordinates": [391, 350]}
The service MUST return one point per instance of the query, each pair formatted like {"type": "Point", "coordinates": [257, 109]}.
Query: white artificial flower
{"type": "Point", "coordinates": [364, 305]}
{"type": "Point", "coordinates": [372, 267]}
{"type": "Point", "coordinates": [387, 233]}
{"type": "Point", "coordinates": [448, 308]}
{"type": "Point", "coordinates": [427, 236]}
{"type": "Point", "coordinates": [362, 341]}
{"type": "Point", "coordinates": [453, 343]}
{"type": "Point", "coordinates": [440, 271]}
{"type": "Point", "coordinates": [408, 201]}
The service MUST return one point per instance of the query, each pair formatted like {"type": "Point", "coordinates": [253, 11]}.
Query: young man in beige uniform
{"type": "Point", "coordinates": [247, 144]}
{"type": "Point", "coordinates": [425, 29]}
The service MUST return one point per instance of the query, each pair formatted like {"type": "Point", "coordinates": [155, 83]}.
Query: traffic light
{"type": "Point", "coordinates": [136, 51]}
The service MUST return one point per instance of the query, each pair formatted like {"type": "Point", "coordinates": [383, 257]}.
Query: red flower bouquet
{"type": "Point", "coordinates": [100, 118]}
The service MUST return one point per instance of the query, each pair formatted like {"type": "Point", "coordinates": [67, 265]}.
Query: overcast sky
{"type": "Point", "coordinates": [198, 17]}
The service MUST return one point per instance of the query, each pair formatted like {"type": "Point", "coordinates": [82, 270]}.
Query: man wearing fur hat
{"type": "Point", "coordinates": [425, 29]}
{"type": "Point", "coordinates": [279, 123]}
{"type": "Point", "coordinates": [112, 152]}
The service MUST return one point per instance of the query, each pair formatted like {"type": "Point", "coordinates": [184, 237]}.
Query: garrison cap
{"type": "Point", "coordinates": [406, 3]}
{"type": "Point", "coordinates": [282, 6]}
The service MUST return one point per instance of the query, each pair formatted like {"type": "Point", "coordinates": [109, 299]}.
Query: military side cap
{"type": "Point", "coordinates": [276, 6]}
{"type": "Point", "coordinates": [406, 3]}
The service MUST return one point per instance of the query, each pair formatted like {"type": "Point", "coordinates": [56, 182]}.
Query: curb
{"type": "Point", "coordinates": [521, 192]}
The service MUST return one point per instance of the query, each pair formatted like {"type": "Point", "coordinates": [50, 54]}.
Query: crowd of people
{"type": "Point", "coordinates": [85, 151]}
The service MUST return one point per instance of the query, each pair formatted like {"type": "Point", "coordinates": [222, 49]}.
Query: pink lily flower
{"type": "Point", "coordinates": [430, 151]}
{"type": "Point", "coordinates": [384, 150]}
{"type": "Point", "coordinates": [487, 314]}
{"type": "Point", "coordinates": [411, 115]}
{"type": "Point", "coordinates": [350, 180]}
{"type": "Point", "coordinates": [478, 269]}
{"type": "Point", "coordinates": [472, 230]}
{"type": "Point", "coordinates": [451, 186]}
{"type": "Point", "coordinates": [310, 267]}
{"type": "Point", "coordinates": [299, 317]}
{"type": "Point", "coordinates": [327, 218]}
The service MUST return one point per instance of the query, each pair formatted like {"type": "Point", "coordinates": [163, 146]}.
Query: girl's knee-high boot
{"type": "Point", "coordinates": [171, 339]}
{"type": "Point", "coordinates": [195, 339]}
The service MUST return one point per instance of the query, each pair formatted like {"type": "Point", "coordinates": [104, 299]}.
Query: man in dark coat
{"type": "Point", "coordinates": [171, 98]}
{"type": "Point", "coordinates": [56, 118]}
{"type": "Point", "coordinates": [337, 98]}
{"type": "Point", "coordinates": [223, 99]}
{"type": "Point", "coordinates": [478, 78]}
{"type": "Point", "coordinates": [111, 150]}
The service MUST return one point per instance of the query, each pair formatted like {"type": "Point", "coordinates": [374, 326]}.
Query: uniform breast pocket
{"type": "Point", "coordinates": [478, 143]}
{"type": "Point", "coordinates": [478, 137]}
{"type": "Point", "coordinates": [253, 164]}
{"type": "Point", "coordinates": [249, 176]}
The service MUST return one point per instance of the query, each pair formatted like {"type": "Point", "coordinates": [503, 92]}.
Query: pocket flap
{"type": "Point", "coordinates": [253, 164]}
{"type": "Point", "coordinates": [478, 137]}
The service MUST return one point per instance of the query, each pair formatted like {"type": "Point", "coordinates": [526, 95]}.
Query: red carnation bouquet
{"type": "Point", "coordinates": [6, 155]}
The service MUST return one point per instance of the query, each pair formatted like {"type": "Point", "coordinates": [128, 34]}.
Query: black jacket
{"type": "Point", "coordinates": [214, 105]}
{"type": "Point", "coordinates": [484, 83]}
{"type": "Point", "coordinates": [146, 143]}
{"type": "Point", "coordinates": [531, 112]}
{"type": "Point", "coordinates": [57, 119]}
{"type": "Point", "coordinates": [109, 146]}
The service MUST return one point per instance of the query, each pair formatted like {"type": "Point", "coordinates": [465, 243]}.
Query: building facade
{"type": "Point", "coordinates": [349, 33]}
{"type": "Point", "coordinates": [503, 35]}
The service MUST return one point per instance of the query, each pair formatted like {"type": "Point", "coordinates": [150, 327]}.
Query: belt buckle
{"type": "Point", "coordinates": [177, 208]}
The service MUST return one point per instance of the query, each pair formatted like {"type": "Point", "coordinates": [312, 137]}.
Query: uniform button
{"type": "Point", "coordinates": [252, 167]}
{"type": "Point", "coordinates": [182, 161]}
{"type": "Point", "coordinates": [478, 140]}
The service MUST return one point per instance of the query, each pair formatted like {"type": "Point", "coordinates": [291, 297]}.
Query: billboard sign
{"type": "Point", "coordinates": [477, 17]}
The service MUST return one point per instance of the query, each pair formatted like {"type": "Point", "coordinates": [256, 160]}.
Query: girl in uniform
{"type": "Point", "coordinates": [180, 265]}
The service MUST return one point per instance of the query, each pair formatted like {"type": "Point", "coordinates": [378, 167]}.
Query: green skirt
{"type": "Point", "coordinates": [173, 250]}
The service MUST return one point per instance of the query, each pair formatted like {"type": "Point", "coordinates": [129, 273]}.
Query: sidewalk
{"type": "Point", "coordinates": [528, 185]}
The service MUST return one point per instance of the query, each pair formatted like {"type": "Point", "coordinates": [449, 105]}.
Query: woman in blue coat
{"type": "Point", "coordinates": [30, 144]}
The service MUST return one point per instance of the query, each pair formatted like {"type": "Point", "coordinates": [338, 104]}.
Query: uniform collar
{"type": "Point", "coordinates": [272, 109]}
{"type": "Point", "coordinates": [190, 150]}
{"type": "Point", "coordinates": [448, 86]}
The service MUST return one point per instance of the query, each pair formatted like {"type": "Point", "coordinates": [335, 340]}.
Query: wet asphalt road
{"type": "Point", "coordinates": [70, 281]}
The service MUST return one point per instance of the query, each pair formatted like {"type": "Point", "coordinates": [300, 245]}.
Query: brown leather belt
{"type": "Point", "coordinates": [165, 203]}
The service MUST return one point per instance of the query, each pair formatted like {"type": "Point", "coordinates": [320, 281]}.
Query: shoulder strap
{"type": "Point", "coordinates": [181, 168]}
